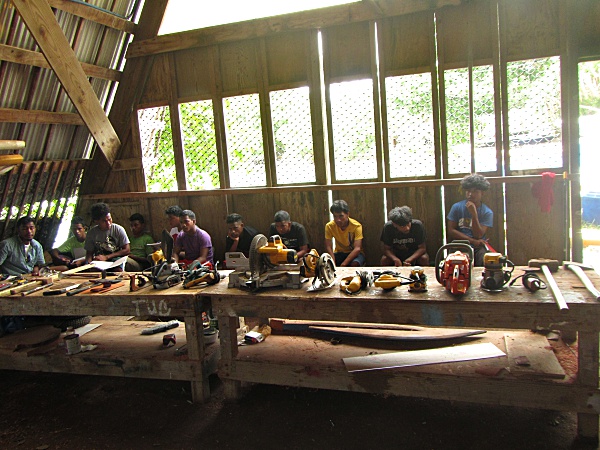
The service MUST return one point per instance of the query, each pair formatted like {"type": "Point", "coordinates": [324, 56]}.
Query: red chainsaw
{"type": "Point", "coordinates": [453, 264]}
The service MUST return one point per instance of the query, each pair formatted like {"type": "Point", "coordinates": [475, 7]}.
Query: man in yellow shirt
{"type": "Point", "coordinates": [348, 235]}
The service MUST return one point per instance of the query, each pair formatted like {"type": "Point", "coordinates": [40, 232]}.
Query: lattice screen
{"type": "Point", "coordinates": [244, 141]}
{"type": "Point", "coordinates": [353, 130]}
{"type": "Point", "coordinates": [534, 113]}
{"type": "Point", "coordinates": [157, 149]}
{"type": "Point", "coordinates": [410, 125]}
{"type": "Point", "coordinates": [292, 134]}
{"type": "Point", "coordinates": [199, 145]}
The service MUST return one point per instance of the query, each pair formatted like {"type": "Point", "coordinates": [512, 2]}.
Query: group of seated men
{"type": "Point", "coordinates": [402, 238]}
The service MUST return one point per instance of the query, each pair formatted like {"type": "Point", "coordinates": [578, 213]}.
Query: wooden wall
{"type": "Point", "coordinates": [259, 57]}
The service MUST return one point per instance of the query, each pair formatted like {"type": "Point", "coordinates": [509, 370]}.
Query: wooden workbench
{"type": "Point", "coordinates": [122, 350]}
{"type": "Point", "coordinates": [309, 362]}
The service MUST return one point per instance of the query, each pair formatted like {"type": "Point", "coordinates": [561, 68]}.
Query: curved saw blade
{"type": "Point", "coordinates": [325, 270]}
{"type": "Point", "coordinates": [257, 263]}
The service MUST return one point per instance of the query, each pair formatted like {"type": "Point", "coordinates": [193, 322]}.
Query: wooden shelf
{"type": "Point", "coordinates": [121, 351]}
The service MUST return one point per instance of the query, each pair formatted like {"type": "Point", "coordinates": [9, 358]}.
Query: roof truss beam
{"type": "Point", "coordinates": [88, 12]}
{"type": "Point", "coordinates": [21, 56]}
{"type": "Point", "coordinates": [37, 116]}
{"type": "Point", "coordinates": [42, 24]}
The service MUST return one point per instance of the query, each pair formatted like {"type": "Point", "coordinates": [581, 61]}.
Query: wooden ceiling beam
{"type": "Point", "coordinates": [21, 56]}
{"type": "Point", "coordinates": [9, 115]}
{"type": "Point", "coordinates": [42, 24]}
{"type": "Point", "coordinates": [304, 20]}
{"type": "Point", "coordinates": [88, 12]}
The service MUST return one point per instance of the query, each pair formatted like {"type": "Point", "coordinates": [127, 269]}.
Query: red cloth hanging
{"type": "Point", "coordinates": [543, 190]}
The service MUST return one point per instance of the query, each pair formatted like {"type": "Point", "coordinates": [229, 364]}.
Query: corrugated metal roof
{"type": "Point", "coordinates": [36, 88]}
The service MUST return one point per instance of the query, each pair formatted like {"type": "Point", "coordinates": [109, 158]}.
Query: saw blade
{"type": "Point", "coordinates": [257, 263]}
{"type": "Point", "coordinates": [325, 269]}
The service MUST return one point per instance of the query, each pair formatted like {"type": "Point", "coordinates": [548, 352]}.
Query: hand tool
{"type": "Point", "coordinates": [83, 287]}
{"type": "Point", "coordinates": [62, 290]}
{"type": "Point", "coordinates": [577, 269]}
{"type": "Point", "coordinates": [548, 266]}
{"type": "Point", "coordinates": [30, 284]}
{"type": "Point", "coordinates": [161, 327]}
{"type": "Point", "coordinates": [497, 270]}
{"type": "Point", "coordinates": [106, 288]}
{"type": "Point", "coordinates": [35, 289]}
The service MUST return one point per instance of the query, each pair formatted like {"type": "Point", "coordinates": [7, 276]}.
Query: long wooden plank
{"type": "Point", "coordinates": [21, 56]}
{"type": "Point", "coordinates": [305, 20]}
{"type": "Point", "coordinates": [36, 116]}
{"type": "Point", "coordinates": [95, 15]}
{"type": "Point", "coordinates": [42, 24]}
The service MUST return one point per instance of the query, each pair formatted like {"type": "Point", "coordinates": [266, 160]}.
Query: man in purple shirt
{"type": "Point", "coordinates": [192, 240]}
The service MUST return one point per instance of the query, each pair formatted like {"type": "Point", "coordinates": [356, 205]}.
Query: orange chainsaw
{"type": "Point", "coordinates": [453, 270]}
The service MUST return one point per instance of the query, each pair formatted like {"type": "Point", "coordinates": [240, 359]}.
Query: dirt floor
{"type": "Point", "coordinates": [56, 411]}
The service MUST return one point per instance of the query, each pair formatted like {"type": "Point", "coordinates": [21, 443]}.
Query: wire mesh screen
{"type": "Point", "coordinates": [534, 113]}
{"type": "Point", "coordinates": [157, 149]}
{"type": "Point", "coordinates": [244, 141]}
{"type": "Point", "coordinates": [292, 135]}
{"type": "Point", "coordinates": [410, 125]}
{"type": "Point", "coordinates": [456, 91]}
{"type": "Point", "coordinates": [199, 145]}
{"type": "Point", "coordinates": [353, 130]}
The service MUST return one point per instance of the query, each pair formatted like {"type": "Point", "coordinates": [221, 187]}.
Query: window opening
{"type": "Point", "coordinates": [158, 157]}
{"type": "Point", "coordinates": [244, 141]}
{"type": "Point", "coordinates": [410, 125]}
{"type": "Point", "coordinates": [456, 91]}
{"type": "Point", "coordinates": [534, 114]}
{"type": "Point", "coordinates": [353, 130]}
{"type": "Point", "coordinates": [292, 135]}
{"type": "Point", "coordinates": [199, 145]}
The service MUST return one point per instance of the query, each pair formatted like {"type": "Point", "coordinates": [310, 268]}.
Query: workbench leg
{"type": "Point", "coordinates": [195, 344]}
{"type": "Point", "coordinates": [587, 424]}
{"type": "Point", "coordinates": [229, 349]}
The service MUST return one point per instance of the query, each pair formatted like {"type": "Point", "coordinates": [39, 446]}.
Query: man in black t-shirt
{"type": "Point", "coordinates": [293, 234]}
{"type": "Point", "coordinates": [403, 240]}
{"type": "Point", "coordinates": [239, 236]}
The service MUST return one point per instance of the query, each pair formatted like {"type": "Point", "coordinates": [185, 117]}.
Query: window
{"type": "Point", "coordinates": [410, 125]}
{"type": "Point", "coordinates": [157, 149]}
{"type": "Point", "coordinates": [245, 151]}
{"type": "Point", "coordinates": [353, 130]}
{"type": "Point", "coordinates": [456, 91]}
{"type": "Point", "coordinates": [199, 145]}
{"type": "Point", "coordinates": [534, 114]}
{"type": "Point", "coordinates": [292, 135]}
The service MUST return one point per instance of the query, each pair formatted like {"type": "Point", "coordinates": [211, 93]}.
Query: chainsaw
{"type": "Point", "coordinates": [453, 270]}
{"type": "Point", "coordinates": [320, 268]}
{"type": "Point", "coordinates": [497, 271]}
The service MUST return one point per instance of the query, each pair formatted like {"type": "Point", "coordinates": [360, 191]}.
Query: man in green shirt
{"type": "Point", "coordinates": [66, 254]}
{"type": "Point", "coordinates": [138, 259]}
